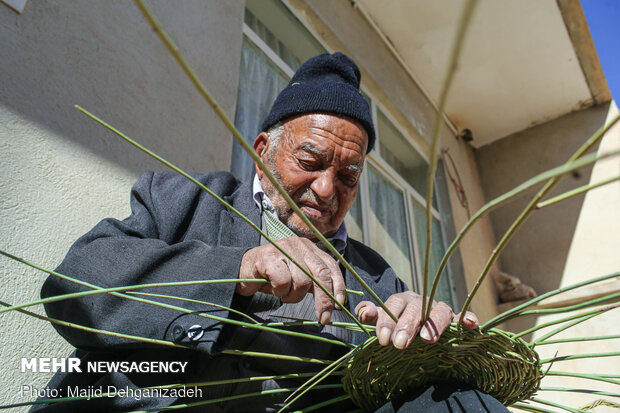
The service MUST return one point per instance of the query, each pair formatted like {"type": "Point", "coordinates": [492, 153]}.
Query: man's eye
{"type": "Point", "coordinates": [350, 180]}
{"type": "Point", "coordinates": [308, 165]}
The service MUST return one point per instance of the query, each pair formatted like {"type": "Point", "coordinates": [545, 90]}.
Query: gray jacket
{"type": "Point", "coordinates": [177, 232]}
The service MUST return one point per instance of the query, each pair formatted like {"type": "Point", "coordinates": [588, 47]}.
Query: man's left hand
{"type": "Point", "coordinates": [407, 307]}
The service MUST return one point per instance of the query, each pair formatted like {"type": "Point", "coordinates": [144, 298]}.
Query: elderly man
{"type": "Point", "coordinates": [314, 141]}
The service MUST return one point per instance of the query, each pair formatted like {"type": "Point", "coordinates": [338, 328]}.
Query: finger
{"type": "Point", "coordinates": [338, 284]}
{"type": "Point", "coordinates": [279, 276]}
{"type": "Point", "coordinates": [438, 320]}
{"type": "Point", "coordinates": [300, 286]}
{"type": "Point", "coordinates": [385, 324]}
{"type": "Point", "coordinates": [367, 312]}
{"type": "Point", "coordinates": [408, 322]}
{"type": "Point", "coordinates": [470, 320]}
{"type": "Point", "coordinates": [248, 269]}
{"type": "Point", "coordinates": [319, 269]}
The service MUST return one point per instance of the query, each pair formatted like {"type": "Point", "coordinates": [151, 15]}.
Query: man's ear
{"type": "Point", "coordinates": [261, 143]}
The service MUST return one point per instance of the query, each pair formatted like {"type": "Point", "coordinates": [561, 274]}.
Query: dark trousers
{"type": "Point", "coordinates": [444, 398]}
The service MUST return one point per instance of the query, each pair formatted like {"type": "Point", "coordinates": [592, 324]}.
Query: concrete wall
{"type": "Point", "coordinates": [537, 254]}
{"type": "Point", "coordinates": [60, 172]}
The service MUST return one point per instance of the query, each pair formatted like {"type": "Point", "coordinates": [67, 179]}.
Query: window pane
{"type": "Point", "coordinates": [388, 225]}
{"type": "Point", "coordinates": [260, 81]}
{"type": "Point", "coordinates": [282, 31]}
{"type": "Point", "coordinates": [455, 264]}
{"type": "Point", "coordinates": [444, 290]}
{"type": "Point", "coordinates": [270, 39]}
{"type": "Point", "coordinates": [353, 221]}
{"type": "Point", "coordinates": [401, 155]}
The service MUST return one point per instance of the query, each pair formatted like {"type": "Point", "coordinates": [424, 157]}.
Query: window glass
{"type": "Point", "coordinates": [285, 34]}
{"type": "Point", "coordinates": [396, 150]}
{"type": "Point", "coordinates": [444, 290]}
{"type": "Point", "coordinates": [353, 220]}
{"type": "Point", "coordinates": [388, 225]}
{"type": "Point", "coordinates": [270, 39]}
{"type": "Point", "coordinates": [260, 81]}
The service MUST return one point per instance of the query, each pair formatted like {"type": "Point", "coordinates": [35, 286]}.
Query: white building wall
{"type": "Point", "coordinates": [61, 172]}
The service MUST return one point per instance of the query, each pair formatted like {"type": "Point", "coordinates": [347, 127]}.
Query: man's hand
{"type": "Point", "coordinates": [287, 281]}
{"type": "Point", "coordinates": [407, 307]}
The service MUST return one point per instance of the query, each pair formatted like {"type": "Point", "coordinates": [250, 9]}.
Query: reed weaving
{"type": "Point", "coordinates": [314, 141]}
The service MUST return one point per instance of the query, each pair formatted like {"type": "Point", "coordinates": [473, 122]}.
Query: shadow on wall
{"type": "Point", "coordinates": [104, 57]}
{"type": "Point", "coordinates": [538, 252]}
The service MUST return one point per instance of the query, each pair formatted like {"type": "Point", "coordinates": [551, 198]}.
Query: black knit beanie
{"type": "Point", "coordinates": [325, 83]}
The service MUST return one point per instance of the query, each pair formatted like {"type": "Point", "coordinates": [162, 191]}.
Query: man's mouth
{"type": "Point", "coordinates": [316, 212]}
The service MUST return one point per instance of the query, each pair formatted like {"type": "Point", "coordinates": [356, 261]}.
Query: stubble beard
{"type": "Point", "coordinates": [285, 213]}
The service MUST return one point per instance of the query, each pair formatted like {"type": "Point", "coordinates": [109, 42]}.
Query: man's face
{"type": "Point", "coordinates": [318, 160]}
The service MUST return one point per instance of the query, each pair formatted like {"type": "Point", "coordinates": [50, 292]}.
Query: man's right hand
{"type": "Point", "coordinates": [287, 281]}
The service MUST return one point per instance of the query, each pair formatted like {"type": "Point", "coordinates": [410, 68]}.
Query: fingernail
{"type": "Point", "coordinates": [340, 298]}
{"type": "Point", "coordinates": [384, 336]}
{"type": "Point", "coordinates": [361, 312]}
{"type": "Point", "coordinates": [425, 334]}
{"type": "Point", "coordinates": [325, 317]}
{"type": "Point", "coordinates": [470, 319]}
{"type": "Point", "coordinates": [400, 340]}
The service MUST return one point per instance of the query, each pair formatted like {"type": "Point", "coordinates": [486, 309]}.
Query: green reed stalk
{"type": "Point", "coordinates": [325, 403]}
{"type": "Point", "coordinates": [579, 356]}
{"type": "Point", "coordinates": [191, 300]}
{"type": "Point", "coordinates": [528, 408]}
{"type": "Point", "coordinates": [455, 53]}
{"type": "Point", "coordinates": [576, 192]}
{"type": "Point", "coordinates": [113, 291]}
{"type": "Point", "coordinates": [275, 356]}
{"type": "Point", "coordinates": [553, 404]}
{"type": "Point", "coordinates": [581, 317]}
{"type": "Point", "coordinates": [571, 340]}
{"type": "Point", "coordinates": [316, 379]}
{"type": "Point", "coordinates": [224, 203]}
{"type": "Point", "coordinates": [600, 402]}
{"type": "Point", "coordinates": [582, 376]}
{"type": "Point", "coordinates": [96, 330]}
{"type": "Point", "coordinates": [574, 390]}
{"type": "Point", "coordinates": [578, 318]}
{"type": "Point", "coordinates": [510, 196]}
{"type": "Point", "coordinates": [237, 397]}
{"type": "Point", "coordinates": [169, 386]}
{"type": "Point", "coordinates": [174, 50]}
{"type": "Point", "coordinates": [566, 309]}
{"type": "Point", "coordinates": [502, 318]}
{"type": "Point", "coordinates": [348, 326]}
{"type": "Point", "coordinates": [527, 211]}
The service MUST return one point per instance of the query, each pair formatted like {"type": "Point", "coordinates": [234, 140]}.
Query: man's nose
{"type": "Point", "coordinates": [324, 186]}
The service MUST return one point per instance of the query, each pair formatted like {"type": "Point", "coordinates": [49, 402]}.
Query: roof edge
{"type": "Point", "coordinates": [579, 33]}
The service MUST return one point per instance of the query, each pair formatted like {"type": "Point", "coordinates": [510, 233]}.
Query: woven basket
{"type": "Point", "coordinates": [493, 362]}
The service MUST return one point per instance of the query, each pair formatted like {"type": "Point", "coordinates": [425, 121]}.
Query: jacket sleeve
{"type": "Point", "coordinates": [150, 246]}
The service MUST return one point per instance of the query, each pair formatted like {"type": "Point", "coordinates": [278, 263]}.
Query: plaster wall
{"type": "Point", "coordinates": [593, 251]}
{"type": "Point", "coordinates": [60, 172]}
{"type": "Point", "coordinates": [538, 252]}
{"type": "Point", "coordinates": [570, 242]}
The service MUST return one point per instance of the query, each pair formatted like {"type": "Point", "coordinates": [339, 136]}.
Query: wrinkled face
{"type": "Point", "coordinates": [318, 160]}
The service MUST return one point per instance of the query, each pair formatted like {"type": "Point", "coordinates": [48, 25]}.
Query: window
{"type": "Point", "coordinates": [389, 212]}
